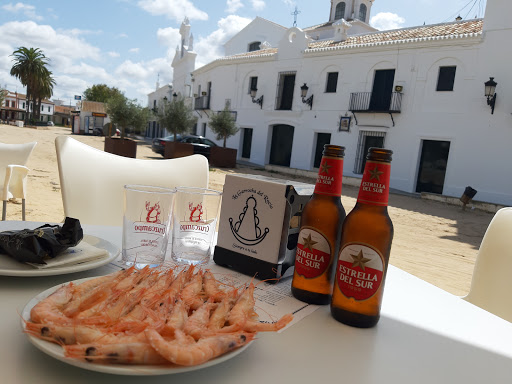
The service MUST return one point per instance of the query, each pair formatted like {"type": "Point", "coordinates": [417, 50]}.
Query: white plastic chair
{"type": "Point", "coordinates": [13, 173]}
{"type": "Point", "coordinates": [92, 181]}
{"type": "Point", "coordinates": [491, 285]}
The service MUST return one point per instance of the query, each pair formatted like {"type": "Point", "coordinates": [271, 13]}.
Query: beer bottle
{"type": "Point", "coordinates": [365, 245]}
{"type": "Point", "coordinates": [319, 234]}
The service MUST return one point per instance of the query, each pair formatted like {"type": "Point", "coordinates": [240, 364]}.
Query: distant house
{"type": "Point", "coordinates": [62, 114]}
{"type": "Point", "coordinates": [11, 108]}
{"type": "Point", "coordinates": [90, 115]}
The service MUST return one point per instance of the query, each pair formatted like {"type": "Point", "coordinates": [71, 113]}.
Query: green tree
{"type": "Point", "coordinates": [223, 125]}
{"type": "Point", "coordinates": [127, 114]}
{"type": "Point", "coordinates": [30, 68]}
{"type": "Point", "coordinates": [101, 93]}
{"type": "Point", "coordinates": [43, 89]}
{"type": "Point", "coordinates": [176, 116]}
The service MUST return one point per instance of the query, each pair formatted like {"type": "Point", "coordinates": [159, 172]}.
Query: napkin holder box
{"type": "Point", "coordinates": [259, 225]}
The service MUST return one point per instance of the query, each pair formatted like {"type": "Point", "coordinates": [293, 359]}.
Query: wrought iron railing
{"type": "Point", "coordinates": [364, 102]}
{"type": "Point", "coordinates": [202, 102]}
{"type": "Point", "coordinates": [233, 114]}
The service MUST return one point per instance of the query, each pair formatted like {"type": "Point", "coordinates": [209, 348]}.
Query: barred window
{"type": "Point", "coordinates": [362, 12]}
{"type": "Point", "coordinates": [367, 139]}
{"type": "Point", "coordinates": [255, 46]}
{"type": "Point", "coordinates": [340, 11]}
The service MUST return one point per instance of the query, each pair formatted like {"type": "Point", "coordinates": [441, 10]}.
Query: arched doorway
{"type": "Point", "coordinates": [281, 146]}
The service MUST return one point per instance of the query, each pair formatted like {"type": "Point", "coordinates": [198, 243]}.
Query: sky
{"type": "Point", "coordinates": [130, 44]}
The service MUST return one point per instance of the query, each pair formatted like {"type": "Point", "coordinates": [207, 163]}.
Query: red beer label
{"type": "Point", "coordinates": [330, 176]}
{"type": "Point", "coordinates": [374, 188]}
{"type": "Point", "coordinates": [360, 271]}
{"type": "Point", "coordinates": [313, 253]}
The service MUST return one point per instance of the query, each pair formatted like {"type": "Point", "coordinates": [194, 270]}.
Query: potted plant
{"type": "Point", "coordinates": [177, 118]}
{"type": "Point", "coordinates": [124, 113]}
{"type": "Point", "coordinates": [223, 125]}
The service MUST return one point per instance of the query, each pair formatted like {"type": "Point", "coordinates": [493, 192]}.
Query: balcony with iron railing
{"type": "Point", "coordinates": [233, 114]}
{"type": "Point", "coordinates": [202, 102]}
{"type": "Point", "coordinates": [370, 102]}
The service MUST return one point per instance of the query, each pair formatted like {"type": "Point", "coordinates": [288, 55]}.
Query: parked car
{"type": "Point", "coordinates": [201, 144]}
{"type": "Point", "coordinates": [51, 124]}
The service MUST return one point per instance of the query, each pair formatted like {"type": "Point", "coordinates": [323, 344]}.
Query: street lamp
{"type": "Point", "coordinates": [303, 93]}
{"type": "Point", "coordinates": [490, 92]}
{"type": "Point", "coordinates": [253, 96]}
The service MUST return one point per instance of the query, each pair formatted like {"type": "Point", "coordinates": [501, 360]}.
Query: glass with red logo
{"type": "Point", "coordinates": [195, 217]}
{"type": "Point", "coordinates": [146, 224]}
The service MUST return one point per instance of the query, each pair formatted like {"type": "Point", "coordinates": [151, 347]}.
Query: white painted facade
{"type": "Point", "coordinates": [154, 101]}
{"type": "Point", "coordinates": [478, 140]}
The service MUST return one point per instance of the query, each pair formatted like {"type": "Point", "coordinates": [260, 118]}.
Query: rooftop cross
{"type": "Point", "coordinates": [295, 13]}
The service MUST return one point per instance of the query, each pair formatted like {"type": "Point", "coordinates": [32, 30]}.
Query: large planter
{"type": "Point", "coordinates": [121, 147]}
{"type": "Point", "coordinates": [223, 157]}
{"type": "Point", "coordinates": [174, 150]}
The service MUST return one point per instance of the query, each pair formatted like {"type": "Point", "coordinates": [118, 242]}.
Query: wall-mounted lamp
{"type": "Point", "coordinates": [258, 100]}
{"type": "Point", "coordinates": [303, 94]}
{"type": "Point", "coordinates": [174, 95]}
{"type": "Point", "coordinates": [165, 99]}
{"type": "Point", "coordinates": [490, 92]}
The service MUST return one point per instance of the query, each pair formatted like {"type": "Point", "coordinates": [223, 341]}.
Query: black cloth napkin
{"type": "Point", "coordinates": [46, 241]}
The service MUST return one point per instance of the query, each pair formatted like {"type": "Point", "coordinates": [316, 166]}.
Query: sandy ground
{"type": "Point", "coordinates": [434, 241]}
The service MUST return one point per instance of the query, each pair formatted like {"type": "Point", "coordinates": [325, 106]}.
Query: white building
{"type": "Point", "coordinates": [418, 91]}
{"type": "Point", "coordinates": [154, 101]}
{"type": "Point", "coordinates": [14, 108]}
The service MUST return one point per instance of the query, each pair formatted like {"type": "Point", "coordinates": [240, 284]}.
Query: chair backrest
{"type": "Point", "coordinates": [13, 154]}
{"type": "Point", "coordinates": [92, 181]}
{"type": "Point", "coordinates": [491, 285]}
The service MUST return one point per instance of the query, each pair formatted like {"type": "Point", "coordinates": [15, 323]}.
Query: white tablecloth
{"type": "Point", "coordinates": [425, 335]}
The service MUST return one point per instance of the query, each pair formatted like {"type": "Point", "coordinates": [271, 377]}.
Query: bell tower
{"type": "Point", "coordinates": [351, 10]}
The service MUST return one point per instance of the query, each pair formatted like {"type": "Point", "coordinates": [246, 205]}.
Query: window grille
{"type": "Point", "coordinates": [360, 154]}
{"type": "Point", "coordinates": [340, 11]}
{"type": "Point", "coordinates": [362, 12]}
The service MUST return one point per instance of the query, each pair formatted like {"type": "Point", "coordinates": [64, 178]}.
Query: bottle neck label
{"type": "Point", "coordinates": [330, 176]}
{"type": "Point", "coordinates": [374, 188]}
{"type": "Point", "coordinates": [360, 271]}
{"type": "Point", "coordinates": [313, 255]}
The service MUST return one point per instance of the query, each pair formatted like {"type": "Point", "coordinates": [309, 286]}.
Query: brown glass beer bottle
{"type": "Point", "coordinates": [319, 235]}
{"type": "Point", "coordinates": [366, 239]}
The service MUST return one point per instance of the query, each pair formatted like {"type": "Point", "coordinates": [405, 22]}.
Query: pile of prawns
{"type": "Point", "coordinates": [149, 316]}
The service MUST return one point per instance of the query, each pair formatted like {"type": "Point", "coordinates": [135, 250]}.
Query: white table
{"type": "Point", "coordinates": [425, 335]}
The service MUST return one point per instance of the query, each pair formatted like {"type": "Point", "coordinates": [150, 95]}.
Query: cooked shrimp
{"type": "Point", "coordinates": [212, 287]}
{"type": "Point", "coordinates": [176, 319]}
{"type": "Point", "coordinates": [191, 293]}
{"type": "Point", "coordinates": [243, 315]}
{"type": "Point", "coordinates": [185, 351]}
{"type": "Point", "coordinates": [220, 314]}
{"type": "Point", "coordinates": [49, 310]}
{"type": "Point", "coordinates": [122, 353]}
{"type": "Point", "coordinates": [197, 323]}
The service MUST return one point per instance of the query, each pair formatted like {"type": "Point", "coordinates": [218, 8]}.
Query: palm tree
{"type": "Point", "coordinates": [43, 90]}
{"type": "Point", "coordinates": [30, 69]}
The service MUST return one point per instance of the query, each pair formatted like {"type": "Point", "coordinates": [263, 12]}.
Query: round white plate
{"type": "Point", "coordinates": [57, 352]}
{"type": "Point", "coordinates": [12, 267]}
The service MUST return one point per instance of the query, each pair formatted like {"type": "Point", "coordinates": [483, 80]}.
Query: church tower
{"type": "Point", "coordinates": [351, 10]}
{"type": "Point", "coordinates": [184, 62]}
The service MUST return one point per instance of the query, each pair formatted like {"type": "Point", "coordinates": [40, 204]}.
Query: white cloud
{"type": "Point", "coordinates": [233, 5]}
{"type": "Point", "coordinates": [173, 9]}
{"type": "Point", "coordinates": [387, 20]}
{"type": "Point", "coordinates": [28, 10]}
{"type": "Point", "coordinates": [170, 37]}
{"type": "Point", "coordinates": [56, 46]}
{"type": "Point", "coordinates": [289, 3]}
{"type": "Point", "coordinates": [210, 48]}
{"type": "Point", "coordinates": [258, 5]}
{"type": "Point", "coordinates": [113, 54]}
{"type": "Point", "coordinates": [134, 50]}
{"type": "Point", "coordinates": [122, 36]}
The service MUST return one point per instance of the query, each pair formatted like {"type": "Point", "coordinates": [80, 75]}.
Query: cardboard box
{"type": "Point", "coordinates": [259, 224]}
